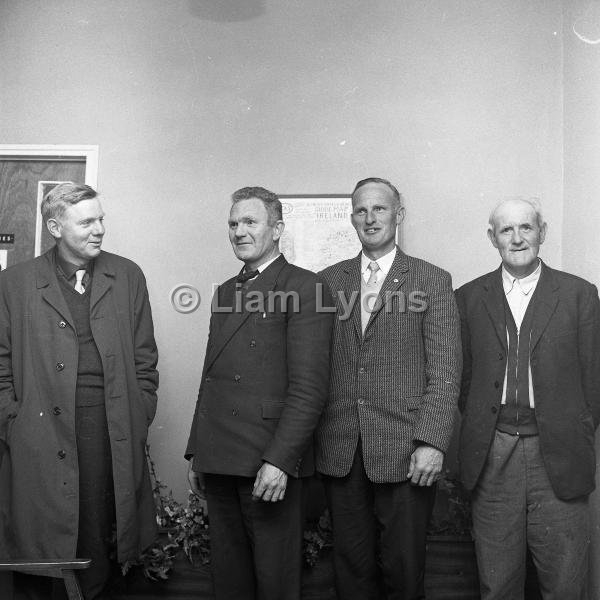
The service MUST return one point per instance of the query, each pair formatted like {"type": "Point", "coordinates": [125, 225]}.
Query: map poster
{"type": "Point", "coordinates": [318, 231]}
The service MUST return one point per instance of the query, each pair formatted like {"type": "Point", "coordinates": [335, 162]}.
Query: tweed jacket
{"type": "Point", "coordinates": [265, 375]}
{"type": "Point", "coordinates": [395, 387]}
{"type": "Point", "coordinates": [565, 372]}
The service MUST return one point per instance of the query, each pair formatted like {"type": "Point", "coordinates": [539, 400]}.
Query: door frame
{"type": "Point", "coordinates": [57, 151]}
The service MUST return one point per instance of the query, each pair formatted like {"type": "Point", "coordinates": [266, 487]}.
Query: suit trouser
{"type": "Point", "coordinates": [514, 506]}
{"type": "Point", "coordinates": [389, 519]}
{"type": "Point", "coordinates": [256, 546]}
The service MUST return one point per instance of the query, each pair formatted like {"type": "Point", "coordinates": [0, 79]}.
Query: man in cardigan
{"type": "Point", "coordinates": [78, 386]}
{"type": "Point", "coordinates": [263, 388]}
{"type": "Point", "coordinates": [530, 401]}
{"type": "Point", "coordinates": [395, 371]}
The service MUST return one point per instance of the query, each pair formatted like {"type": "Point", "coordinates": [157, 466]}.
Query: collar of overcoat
{"type": "Point", "coordinates": [393, 281]}
{"type": "Point", "coordinates": [547, 296]}
{"type": "Point", "coordinates": [47, 282]}
{"type": "Point", "coordinates": [260, 287]}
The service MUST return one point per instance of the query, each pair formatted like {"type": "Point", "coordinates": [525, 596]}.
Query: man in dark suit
{"type": "Point", "coordinates": [263, 388]}
{"type": "Point", "coordinates": [530, 401]}
{"type": "Point", "coordinates": [395, 371]}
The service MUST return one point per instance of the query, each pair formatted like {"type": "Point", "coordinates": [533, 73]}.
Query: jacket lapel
{"type": "Point", "coordinates": [394, 280]}
{"type": "Point", "coordinates": [547, 299]}
{"type": "Point", "coordinates": [351, 293]}
{"type": "Point", "coordinates": [259, 288]}
{"type": "Point", "coordinates": [47, 282]}
{"type": "Point", "coordinates": [104, 275]}
{"type": "Point", "coordinates": [493, 300]}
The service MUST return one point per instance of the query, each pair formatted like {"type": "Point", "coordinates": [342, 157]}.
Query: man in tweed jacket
{"type": "Point", "coordinates": [395, 372]}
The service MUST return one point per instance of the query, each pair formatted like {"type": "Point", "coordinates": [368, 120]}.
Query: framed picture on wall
{"type": "Point", "coordinates": [318, 231]}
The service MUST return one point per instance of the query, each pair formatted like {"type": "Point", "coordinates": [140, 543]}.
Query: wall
{"type": "Point", "coordinates": [459, 102]}
{"type": "Point", "coordinates": [581, 250]}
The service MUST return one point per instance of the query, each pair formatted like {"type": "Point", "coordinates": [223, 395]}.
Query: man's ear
{"type": "Point", "coordinates": [54, 228]}
{"type": "Point", "coordinates": [543, 231]}
{"type": "Point", "coordinates": [278, 230]}
{"type": "Point", "coordinates": [400, 215]}
{"type": "Point", "coordinates": [490, 233]}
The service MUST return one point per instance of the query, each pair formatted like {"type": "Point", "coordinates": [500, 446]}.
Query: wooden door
{"type": "Point", "coordinates": [23, 183]}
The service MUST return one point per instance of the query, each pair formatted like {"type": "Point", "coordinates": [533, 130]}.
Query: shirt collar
{"type": "Point", "coordinates": [67, 268]}
{"type": "Point", "coordinates": [385, 262]}
{"type": "Point", "coordinates": [262, 267]}
{"type": "Point", "coordinates": [526, 284]}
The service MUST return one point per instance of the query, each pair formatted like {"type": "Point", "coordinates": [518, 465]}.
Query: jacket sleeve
{"type": "Point", "coordinates": [443, 362]}
{"type": "Point", "coordinates": [144, 347]}
{"type": "Point", "coordinates": [465, 336]}
{"type": "Point", "coordinates": [307, 345]}
{"type": "Point", "coordinates": [589, 350]}
{"type": "Point", "coordinates": [7, 390]}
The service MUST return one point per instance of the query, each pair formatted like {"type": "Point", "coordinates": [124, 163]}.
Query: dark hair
{"type": "Point", "coordinates": [270, 201]}
{"type": "Point", "coordinates": [57, 200]}
{"type": "Point", "coordinates": [395, 192]}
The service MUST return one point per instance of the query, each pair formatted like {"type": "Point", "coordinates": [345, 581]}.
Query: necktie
{"type": "Point", "coordinates": [373, 267]}
{"type": "Point", "coordinates": [79, 281]}
{"type": "Point", "coordinates": [246, 276]}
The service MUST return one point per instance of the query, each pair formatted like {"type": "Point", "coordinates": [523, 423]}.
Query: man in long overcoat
{"type": "Point", "coordinates": [78, 387]}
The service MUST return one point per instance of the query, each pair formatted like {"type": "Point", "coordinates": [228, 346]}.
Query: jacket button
{"type": "Point", "coordinates": [62, 324]}
{"type": "Point", "coordinates": [61, 454]}
{"type": "Point", "coordinates": [361, 370]}
{"type": "Point", "coordinates": [494, 409]}
{"type": "Point", "coordinates": [234, 412]}
{"type": "Point", "coordinates": [500, 356]}
{"type": "Point", "coordinates": [56, 410]}
{"type": "Point", "coordinates": [496, 384]}
{"type": "Point", "coordinates": [237, 377]}
{"type": "Point", "coordinates": [253, 344]}
{"type": "Point", "coordinates": [207, 379]}
{"type": "Point", "coordinates": [361, 401]}
{"type": "Point", "coordinates": [60, 366]}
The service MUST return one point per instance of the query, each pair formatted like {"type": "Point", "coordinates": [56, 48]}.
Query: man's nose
{"type": "Point", "coordinates": [240, 230]}
{"type": "Point", "coordinates": [99, 228]}
{"type": "Point", "coordinates": [370, 217]}
{"type": "Point", "coordinates": [516, 237]}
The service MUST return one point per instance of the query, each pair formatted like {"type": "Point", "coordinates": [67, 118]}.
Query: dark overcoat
{"type": "Point", "coordinates": [38, 373]}
{"type": "Point", "coordinates": [565, 372]}
{"type": "Point", "coordinates": [395, 387]}
{"type": "Point", "coordinates": [265, 376]}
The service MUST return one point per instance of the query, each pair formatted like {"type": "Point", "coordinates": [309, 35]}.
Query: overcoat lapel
{"type": "Point", "coordinates": [102, 281]}
{"type": "Point", "coordinates": [493, 300]}
{"type": "Point", "coordinates": [547, 292]}
{"type": "Point", "coordinates": [47, 282]}
{"type": "Point", "coordinates": [394, 281]}
{"type": "Point", "coordinates": [260, 287]}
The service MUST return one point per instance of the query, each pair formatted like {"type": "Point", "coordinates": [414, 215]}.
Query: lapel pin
{"type": "Point", "coordinates": [395, 281]}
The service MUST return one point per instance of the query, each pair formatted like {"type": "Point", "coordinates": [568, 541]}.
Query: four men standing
{"type": "Point", "coordinates": [78, 386]}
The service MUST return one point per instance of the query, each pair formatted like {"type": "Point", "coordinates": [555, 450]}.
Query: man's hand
{"type": "Point", "coordinates": [425, 465]}
{"type": "Point", "coordinates": [197, 482]}
{"type": "Point", "coordinates": [270, 484]}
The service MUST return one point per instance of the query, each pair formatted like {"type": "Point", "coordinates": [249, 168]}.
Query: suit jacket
{"type": "Point", "coordinates": [565, 371]}
{"type": "Point", "coordinates": [265, 375]}
{"type": "Point", "coordinates": [38, 374]}
{"type": "Point", "coordinates": [397, 387]}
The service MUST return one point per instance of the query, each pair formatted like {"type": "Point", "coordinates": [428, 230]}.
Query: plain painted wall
{"type": "Point", "coordinates": [581, 249]}
{"type": "Point", "coordinates": [459, 102]}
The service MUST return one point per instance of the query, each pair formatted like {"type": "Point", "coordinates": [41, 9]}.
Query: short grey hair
{"type": "Point", "coordinates": [533, 202]}
{"type": "Point", "coordinates": [396, 194]}
{"type": "Point", "coordinates": [59, 198]}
